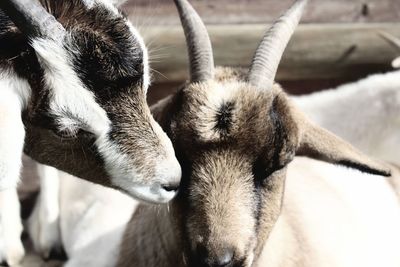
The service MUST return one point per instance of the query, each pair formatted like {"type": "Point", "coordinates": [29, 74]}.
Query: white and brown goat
{"type": "Point", "coordinates": [245, 199]}
{"type": "Point", "coordinates": [73, 81]}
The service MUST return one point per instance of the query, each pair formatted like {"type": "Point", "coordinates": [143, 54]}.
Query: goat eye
{"type": "Point", "coordinates": [262, 172]}
{"type": "Point", "coordinates": [70, 134]}
{"type": "Point", "coordinates": [65, 134]}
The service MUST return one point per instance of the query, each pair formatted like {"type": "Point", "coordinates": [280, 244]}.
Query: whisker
{"type": "Point", "coordinates": [156, 71]}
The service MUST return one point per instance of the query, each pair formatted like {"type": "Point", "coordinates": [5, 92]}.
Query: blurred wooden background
{"type": "Point", "coordinates": [337, 42]}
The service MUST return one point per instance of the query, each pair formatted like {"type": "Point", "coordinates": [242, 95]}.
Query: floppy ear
{"type": "Point", "coordinates": [318, 143]}
{"type": "Point", "coordinates": [166, 108]}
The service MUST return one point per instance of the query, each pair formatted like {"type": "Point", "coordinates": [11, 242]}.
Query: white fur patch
{"type": "Point", "coordinates": [139, 39]}
{"type": "Point", "coordinates": [342, 217]}
{"type": "Point", "coordinates": [125, 176]}
{"type": "Point", "coordinates": [14, 96]}
{"type": "Point", "coordinates": [115, 161]}
{"type": "Point", "coordinates": [93, 220]}
{"type": "Point", "coordinates": [43, 224]}
{"type": "Point", "coordinates": [71, 102]}
{"type": "Point", "coordinates": [109, 4]}
{"type": "Point", "coordinates": [11, 248]}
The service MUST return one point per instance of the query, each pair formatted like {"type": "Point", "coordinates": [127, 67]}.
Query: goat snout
{"type": "Point", "coordinates": [221, 258]}
{"type": "Point", "coordinates": [160, 187]}
{"type": "Point", "coordinates": [169, 174]}
{"type": "Point", "coordinates": [170, 187]}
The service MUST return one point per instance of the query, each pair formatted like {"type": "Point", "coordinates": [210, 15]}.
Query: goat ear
{"type": "Point", "coordinates": [164, 109]}
{"type": "Point", "coordinates": [320, 144]}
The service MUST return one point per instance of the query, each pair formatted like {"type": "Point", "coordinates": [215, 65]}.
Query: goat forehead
{"type": "Point", "coordinates": [217, 110]}
{"type": "Point", "coordinates": [110, 55]}
{"type": "Point", "coordinates": [107, 52]}
{"type": "Point", "coordinates": [103, 57]}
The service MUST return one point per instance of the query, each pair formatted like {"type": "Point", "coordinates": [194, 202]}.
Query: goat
{"type": "Point", "coordinates": [373, 104]}
{"type": "Point", "coordinates": [377, 96]}
{"type": "Point", "coordinates": [245, 199]}
{"type": "Point", "coordinates": [74, 76]}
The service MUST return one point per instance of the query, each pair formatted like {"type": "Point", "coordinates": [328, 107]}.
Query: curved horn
{"type": "Point", "coordinates": [395, 42]}
{"type": "Point", "coordinates": [32, 19]}
{"type": "Point", "coordinates": [269, 52]}
{"type": "Point", "coordinates": [198, 43]}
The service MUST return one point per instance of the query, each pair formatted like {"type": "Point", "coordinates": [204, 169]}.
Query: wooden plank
{"type": "Point", "coordinates": [160, 90]}
{"type": "Point", "coordinates": [163, 12]}
{"type": "Point", "coordinates": [317, 51]}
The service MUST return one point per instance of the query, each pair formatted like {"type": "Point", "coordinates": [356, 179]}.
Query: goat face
{"type": "Point", "coordinates": [233, 180]}
{"type": "Point", "coordinates": [89, 74]}
{"type": "Point", "coordinates": [234, 138]}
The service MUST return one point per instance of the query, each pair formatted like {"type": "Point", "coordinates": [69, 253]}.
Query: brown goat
{"type": "Point", "coordinates": [235, 136]}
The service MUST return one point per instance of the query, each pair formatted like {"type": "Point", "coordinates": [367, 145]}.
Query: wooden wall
{"type": "Point", "coordinates": [338, 40]}
{"type": "Point", "coordinates": [264, 11]}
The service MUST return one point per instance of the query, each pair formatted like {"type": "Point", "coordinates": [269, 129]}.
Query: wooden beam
{"type": "Point", "coordinates": [163, 12]}
{"type": "Point", "coordinates": [317, 51]}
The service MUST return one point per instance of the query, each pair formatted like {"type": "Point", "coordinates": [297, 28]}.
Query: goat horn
{"type": "Point", "coordinates": [390, 38]}
{"type": "Point", "coordinates": [198, 43]}
{"type": "Point", "coordinates": [395, 42]}
{"type": "Point", "coordinates": [32, 19]}
{"type": "Point", "coordinates": [269, 53]}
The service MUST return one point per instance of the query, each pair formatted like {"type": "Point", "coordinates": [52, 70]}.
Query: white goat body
{"type": "Point", "coordinates": [334, 216]}
{"type": "Point", "coordinates": [371, 108]}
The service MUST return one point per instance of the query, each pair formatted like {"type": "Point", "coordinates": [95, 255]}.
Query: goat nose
{"type": "Point", "coordinates": [170, 187]}
{"type": "Point", "coordinates": [222, 258]}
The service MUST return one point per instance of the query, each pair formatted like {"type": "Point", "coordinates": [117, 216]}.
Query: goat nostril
{"type": "Point", "coordinates": [225, 258]}
{"type": "Point", "coordinates": [222, 258]}
{"type": "Point", "coordinates": [170, 187]}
